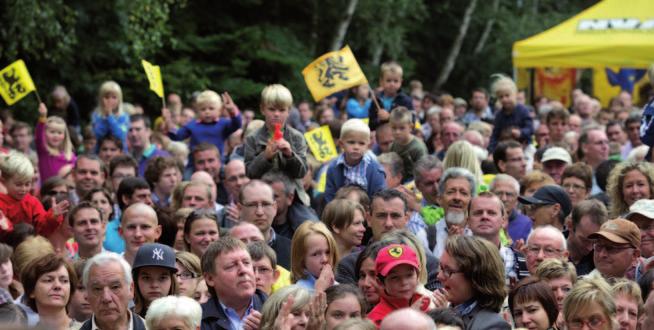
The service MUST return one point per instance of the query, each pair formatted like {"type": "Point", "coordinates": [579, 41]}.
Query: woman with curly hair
{"type": "Point", "coordinates": [629, 182]}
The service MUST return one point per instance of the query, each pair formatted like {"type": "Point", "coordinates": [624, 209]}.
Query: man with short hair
{"type": "Point", "coordinates": [586, 219]}
{"type": "Point", "coordinates": [593, 150]}
{"type": "Point", "coordinates": [451, 132]}
{"type": "Point", "coordinates": [206, 157]}
{"type": "Point", "coordinates": [121, 167]}
{"type": "Point", "coordinates": [383, 139]}
{"type": "Point", "coordinates": [246, 232]}
{"type": "Point", "coordinates": [229, 273]}
{"type": "Point", "coordinates": [632, 127]}
{"type": "Point", "coordinates": [555, 160]}
{"type": "Point", "coordinates": [507, 189]}
{"type": "Point", "coordinates": [545, 242]}
{"type": "Point", "coordinates": [456, 187]}
{"type": "Point", "coordinates": [617, 249]}
{"type": "Point", "coordinates": [485, 219]}
{"type": "Point", "coordinates": [479, 109]}
{"type": "Point", "coordinates": [138, 226]}
{"type": "Point", "coordinates": [110, 288]}
{"type": "Point", "coordinates": [235, 178]}
{"type": "Point", "coordinates": [88, 229]}
{"type": "Point", "coordinates": [197, 195]}
{"type": "Point", "coordinates": [205, 179]}
{"type": "Point", "coordinates": [139, 144]}
{"type": "Point", "coordinates": [88, 173]}
{"type": "Point", "coordinates": [509, 158]}
{"type": "Point", "coordinates": [258, 206]}
{"type": "Point", "coordinates": [133, 190]}
{"type": "Point", "coordinates": [290, 213]}
{"type": "Point", "coordinates": [549, 205]}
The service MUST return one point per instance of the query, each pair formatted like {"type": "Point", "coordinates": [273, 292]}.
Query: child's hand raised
{"type": "Point", "coordinates": [43, 110]}
{"type": "Point", "coordinates": [383, 115]}
{"type": "Point", "coordinates": [271, 149]}
{"type": "Point", "coordinates": [59, 208]}
{"type": "Point", "coordinates": [168, 119]}
{"type": "Point", "coordinates": [229, 104]}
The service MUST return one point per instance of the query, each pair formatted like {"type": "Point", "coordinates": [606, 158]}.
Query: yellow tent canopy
{"type": "Point", "coordinates": [612, 33]}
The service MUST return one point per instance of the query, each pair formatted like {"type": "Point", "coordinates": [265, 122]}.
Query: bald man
{"type": "Point", "coordinates": [139, 225]}
{"type": "Point", "coordinates": [246, 233]}
{"type": "Point", "coordinates": [407, 319]}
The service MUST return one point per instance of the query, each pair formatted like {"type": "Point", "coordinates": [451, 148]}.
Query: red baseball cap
{"type": "Point", "coordinates": [394, 255]}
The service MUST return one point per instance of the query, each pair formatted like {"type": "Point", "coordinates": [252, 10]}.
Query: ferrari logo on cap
{"type": "Point", "coordinates": [396, 252]}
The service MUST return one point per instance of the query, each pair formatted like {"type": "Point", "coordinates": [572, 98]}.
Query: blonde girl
{"type": "Point", "coordinates": [314, 254]}
{"type": "Point", "coordinates": [53, 145]}
{"type": "Point", "coordinates": [110, 118]}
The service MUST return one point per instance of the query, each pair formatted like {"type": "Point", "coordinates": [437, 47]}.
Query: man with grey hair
{"type": "Point", "coordinates": [507, 189]}
{"type": "Point", "coordinates": [456, 188]}
{"type": "Point", "coordinates": [427, 173]}
{"type": "Point", "coordinates": [545, 242]}
{"type": "Point", "coordinates": [108, 281]}
{"type": "Point", "coordinates": [407, 319]}
{"type": "Point", "coordinates": [393, 167]}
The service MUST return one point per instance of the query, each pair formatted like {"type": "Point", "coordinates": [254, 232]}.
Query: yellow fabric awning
{"type": "Point", "coordinates": [617, 33]}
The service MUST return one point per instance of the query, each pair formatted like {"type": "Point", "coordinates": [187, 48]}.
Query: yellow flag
{"type": "Point", "coordinates": [333, 72]}
{"type": "Point", "coordinates": [154, 77]}
{"type": "Point", "coordinates": [15, 82]}
{"type": "Point", "coordinates": [321, 143]}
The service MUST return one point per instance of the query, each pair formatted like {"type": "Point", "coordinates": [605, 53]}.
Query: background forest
{"type": "Point", "coordinates": [242, 45]}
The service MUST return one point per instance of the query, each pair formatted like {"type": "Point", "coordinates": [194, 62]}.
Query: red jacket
{"type": "Point", "coordinates": [29, 210]}
{"type": "Point", "coordinates": [387, 304]}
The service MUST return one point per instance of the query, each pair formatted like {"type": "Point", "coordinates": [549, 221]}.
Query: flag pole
{"type": "Point", "coordinates": [38, 98]}
{"type": "Point", "coordinates": [374, 99]}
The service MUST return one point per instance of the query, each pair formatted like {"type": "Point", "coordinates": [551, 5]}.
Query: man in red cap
{"type": "Point", "coordinates": [398, 270]}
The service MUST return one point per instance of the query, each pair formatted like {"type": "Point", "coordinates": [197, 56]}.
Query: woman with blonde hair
{"type": "Point", "coordinates": [532, 181]}
{"type": "Point", "coordinates": [462, 154]}
{"type": "Point", "coordinates": [627, 183]}
{"type": "Point", "coordinates": [314, 254]}
{"type": "Point", "coordinates": [590, 305]}
{"type": "Point", "coordinates": [276, 310]}
{"type": "Point", "coordinates": [109, 117]}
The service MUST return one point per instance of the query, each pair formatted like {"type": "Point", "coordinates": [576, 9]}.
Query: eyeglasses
{"type": "Point", "coordinates": [448, 272]}
{"type": "Point", "coordinates": [573, 186]}
{"type": "Point", "coordinates": [186, 275]}
{"type": "Point", "coordinates": [547, 250]}
{"type": "Point", "coordinates": [610, 248]}
{"type": "Point", "coordinates": [257, 205]}
{"type": "Point", "coordinates": [595, 322]}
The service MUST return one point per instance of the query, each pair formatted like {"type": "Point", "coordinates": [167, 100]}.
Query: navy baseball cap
{"type": "Point", "coordinates": [549, 195]}
{"type": "Point", "coordinates": [155, 254]}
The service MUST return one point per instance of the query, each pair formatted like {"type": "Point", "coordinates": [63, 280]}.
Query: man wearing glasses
{"type": "Point", "coordinates": [507, 189]}
{"type": "Point", "coordinates": [257, 206]}
{"type": "Point", "coordinates": [545, 242]}
{"type": "Point", "coordinates": [617, 249]}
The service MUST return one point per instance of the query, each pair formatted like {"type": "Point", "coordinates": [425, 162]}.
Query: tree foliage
{"type": "Point", "coordinates": [240, 46]}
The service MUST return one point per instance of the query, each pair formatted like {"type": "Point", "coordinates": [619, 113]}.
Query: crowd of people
{"type": "Point", "coordinates": [436, 213]}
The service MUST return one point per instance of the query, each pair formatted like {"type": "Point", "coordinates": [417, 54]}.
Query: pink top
{"type": "Point", "coordinates": [49, 165]}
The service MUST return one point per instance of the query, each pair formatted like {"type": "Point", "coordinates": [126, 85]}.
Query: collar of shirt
{"type": "Point", "coordinates": [273, 236]}
{"type": "Point", "coordinates": [234, 319]}
{"type": "Point", "coordinates": [149, 151]}
{"type": "Point", "coordinates": [355, 174]}
{"type": "Point", "coordinates": [130, 325]}
{"type": "Point", "coordinates": [466, 308]}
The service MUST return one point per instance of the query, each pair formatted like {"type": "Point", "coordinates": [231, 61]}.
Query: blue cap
{"type": "Point", "coordinates": [155, 254]}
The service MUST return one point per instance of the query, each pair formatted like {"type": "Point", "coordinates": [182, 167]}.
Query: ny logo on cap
{"type": "Point", "coordinates": [157, 254]}
{"type": "Point", "coordinates": [395, 252]}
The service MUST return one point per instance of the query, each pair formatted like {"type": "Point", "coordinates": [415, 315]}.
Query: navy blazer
{"type": "Point", "coordinates": [482, 319]}
{"type": "Point", "coordinates": [401, 99]}
{"type": "Point", "coordinates": [214, 317]}
{"type": "Point", "coordinates": [375, 176]}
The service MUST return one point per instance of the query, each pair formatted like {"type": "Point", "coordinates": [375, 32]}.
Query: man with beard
{"type": "Point", "coordinates": [457, 186]}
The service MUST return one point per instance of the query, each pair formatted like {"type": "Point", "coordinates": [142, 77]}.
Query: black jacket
{"type": "Point", "coordinates": [401, 99]}
{"type": "Point", "coordinates": [214, 317]}
{"type": "Point", "coordinates": [282, 247]}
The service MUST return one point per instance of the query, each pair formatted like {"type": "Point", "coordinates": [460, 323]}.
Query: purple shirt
{"type": "Point", "coordinates": [49, 165]}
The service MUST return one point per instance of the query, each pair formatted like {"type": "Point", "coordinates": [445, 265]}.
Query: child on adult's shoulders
{"type": "Point", "coordinates": [405, 144]}
{"type": "Point", "coordinates": [355, 166]}
{"type": "Point", "coordinates": [391, 95]}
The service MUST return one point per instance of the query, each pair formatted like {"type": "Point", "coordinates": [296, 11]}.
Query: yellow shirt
{"type": "Point", "coordinates": [283, 280]}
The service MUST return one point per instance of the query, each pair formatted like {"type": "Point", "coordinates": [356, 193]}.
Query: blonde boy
{"type": "Point", "coordinates": [405, 144]}
{"type": "Point", "coordinates": [210, 126]}
{"type": "Point", "coordinates": [18, 205]}
{"type": "Point", "coordinates": [513, 120]}
{"type": "Point", "coordinates": [391, 95]}
{"type": "Point", "coordinates": [287, 153]}
{"type": "Point", "coordinates": [355, 166]}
